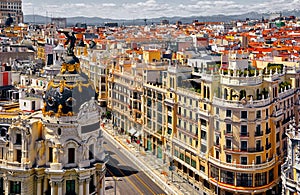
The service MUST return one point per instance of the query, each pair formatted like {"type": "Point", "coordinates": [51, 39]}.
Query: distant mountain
{"type": "Point", "coordinates": [100, 21]}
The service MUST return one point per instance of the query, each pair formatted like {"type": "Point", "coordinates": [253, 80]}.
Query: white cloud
{"type": "Point", "coordinates": [154, 8]}
{"type": "Point", "coordinates": [108, 4]}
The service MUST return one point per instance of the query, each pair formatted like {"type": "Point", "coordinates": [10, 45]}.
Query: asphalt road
{"type": "Point", "coordinates": [124, 177]}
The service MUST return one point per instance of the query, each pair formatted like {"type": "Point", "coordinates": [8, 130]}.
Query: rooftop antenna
{"type": "Point", "coordinates": [33, 15]}
{"type": "Point", "coordinates": [46, 18]}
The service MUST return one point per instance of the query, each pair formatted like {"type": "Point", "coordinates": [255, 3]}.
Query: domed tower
{"type": "Point", "coordinates": [73, 139]}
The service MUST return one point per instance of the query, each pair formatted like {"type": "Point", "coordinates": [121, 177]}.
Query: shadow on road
{"type": "Point", "coordinates": [119, 171]}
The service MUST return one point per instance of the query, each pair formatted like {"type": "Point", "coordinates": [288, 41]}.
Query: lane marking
{"type": "Point", "coordinates": [135, 175]}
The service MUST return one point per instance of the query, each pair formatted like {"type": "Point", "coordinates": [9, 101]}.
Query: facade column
{"type": "Point", "coordinates": [87, 186]}
{"type": "Point", "coordinates": [52, 184]}
{"type": "Point", "coordinates": [80, 187]}
{"type": "Point", "coordinates": [45, 185]}
{"type": "Point", "coordinates": [39, 187]}
{"type": "Point", "coordinates": [102, 185]}
{"type": "Point", "coordinates": [60, 190]}
{"type": "Point", "coordinates": [5, 185]}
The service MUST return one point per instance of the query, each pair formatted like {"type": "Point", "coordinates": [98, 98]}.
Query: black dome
{"type": "Point", "coordinates": [64, 97]}
{"type": "Point", "coordinates": [70, 88]}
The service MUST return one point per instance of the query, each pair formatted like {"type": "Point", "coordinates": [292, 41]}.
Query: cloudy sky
{"type": "Point", "coordinates": [133, 9]}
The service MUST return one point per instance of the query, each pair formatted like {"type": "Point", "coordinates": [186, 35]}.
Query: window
{"type": "Point", "coordinates": [258, 130]}
{"type": "Point", "coordinates": [169, 119]}
{"type": "Point", "coordinates": [19, 155]}
{"type": "Point", "coordinates": [71, 155]}
{"type": "Point", "coordinates": [228, 128]}
{"type": "Point", "coordinates": [260, 179]}
{"type": "Point", "coordinates": [244, 160]}
{"type": "Point", "coordinates": [244, 131]}
{"type": "Point", "coordinates": [271, 175]}
{"type": "Point", "coordinates": [227, 177]}
{"type": "Point", "coordinates": [217, 111]}
{"type": "Point", "coordinates": [244, 179]}
{"type": "Point", "coordinates": [187, 159]}
{"type": "Point", "coordinates": [217, 138]}
{"type": "Point", "coordinates": [70, 187]}
{"type": "Point", "coordinates": [258, 145]}
{"type": "Point", "coordinates": [258, 160]}
{"type": "Point", "coordinates": [228, 143]}
{"type": "Point", "coordinates": [18, 139]}
{"type": "Point", "coordinates": [203, 148]}
{"type": "Point", "coordinates": [244, 145]}
{"type": "Point", "coordinates": [244, 114]}
{"type": "Point", "coordinates": [258, 114]}
{"type": "Point", "coordinates": [228, 158]}
{"type": "Point", "coordinates": [181, 156]}
{"type": "Point", "coordinates": [91, 152]}
{"type": "Point", "coordinates": [50, 154]}
{"type": "Point", "coordinates": [277, 137]}
{"type": "Point", "coordinates": [202, 168]}
{"type": "Point", "coordinates": [228, 113]}
{"type": "Point", "coordinates": [214, 172]}
{"type": "Point", "coordinates": [193, 163]}
{"type": "Point", "coordinates": [217, 125]}
{"type": "Point", "coordinates": [203, 134]}
{"type": "Point", "coordinates": [15, 187]}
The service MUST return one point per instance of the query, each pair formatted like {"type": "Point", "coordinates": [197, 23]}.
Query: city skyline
{"type": "Point", "coordinates": [137, 9]}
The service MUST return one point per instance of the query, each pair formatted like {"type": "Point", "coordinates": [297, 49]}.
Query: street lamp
{"type": "Point", "coordinates": [115, 183]}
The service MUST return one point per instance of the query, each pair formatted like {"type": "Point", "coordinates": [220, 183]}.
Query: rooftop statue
{"type": "Point", "coordinates": [9, 20]}
{"type": "Point", "coordinates": [70, 42]}
{"type": "Point", "coordinates": [71, 39]}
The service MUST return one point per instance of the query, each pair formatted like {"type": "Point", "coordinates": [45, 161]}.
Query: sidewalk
{"type": "Point", "coordinates": [155, 165]}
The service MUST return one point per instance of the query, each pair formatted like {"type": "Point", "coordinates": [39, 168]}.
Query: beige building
{"type": "Point", "coordinates": [222, 129]}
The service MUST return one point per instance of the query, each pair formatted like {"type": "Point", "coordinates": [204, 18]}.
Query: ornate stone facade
{"type": "Point", "coordinates": [60, 149]}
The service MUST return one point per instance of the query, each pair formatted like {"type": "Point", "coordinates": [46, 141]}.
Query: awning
{"type": "Point", "coordinates": [137, 134]}
{"type": "Point", "coordinates": [132, 131]}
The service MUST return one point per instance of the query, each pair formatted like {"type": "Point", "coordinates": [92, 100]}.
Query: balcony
{"type": "Point", "coordinates": [277, 113]}
{"type": "Point", "coordinates": [244, 134]}
{"type": "Point", "coordinates": [240, 167]}
{"type": "Point", "coordinates": [207, 77]}
{"type": "Point", "coordinates": [228, 133]}
{"type": "Point", "coordinates": [257, 149]}
{"type": "Point", "coordinates": [258, 133]}
{"type": "Point", "coordinates": [286, 93]}
{"type": "Point", "coordinates": [240, 81]}
{"type": "Point", "coordinates": [240, 104]}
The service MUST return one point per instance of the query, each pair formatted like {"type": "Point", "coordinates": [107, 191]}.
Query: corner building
{"type": "Point", "coordinates": [58, 150]}
{"type": "Point", "coordinates": [223, 126]}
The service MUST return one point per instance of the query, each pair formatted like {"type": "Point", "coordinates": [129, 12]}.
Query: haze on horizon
{"type": "Point", "coordinates": [138, 9]}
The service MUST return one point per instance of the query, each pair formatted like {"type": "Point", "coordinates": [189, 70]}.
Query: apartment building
{"type": "Point", "coordinates": [125, 89]}
{"type": "Point", "coordinates": [223, 129]}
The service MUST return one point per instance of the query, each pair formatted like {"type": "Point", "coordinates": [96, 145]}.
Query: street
{"type": "Point", "coordinates": [123, 176]}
